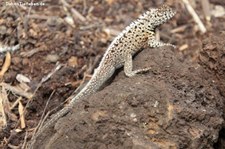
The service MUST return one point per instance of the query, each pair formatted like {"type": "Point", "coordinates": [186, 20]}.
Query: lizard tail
{"type": "Point", "coordinates": [100, 76]}
{"type": "Point", "coordinates": [98, 79]}
{"type": "Point", "coordinates": [59, 114]}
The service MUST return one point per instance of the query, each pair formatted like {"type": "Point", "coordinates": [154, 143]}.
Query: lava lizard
{"type": "Point", "coordinates": [120, 52]}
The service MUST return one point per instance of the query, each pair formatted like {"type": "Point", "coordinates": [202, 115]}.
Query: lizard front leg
{"type": "Point", "coordinates": [152, 42]}
{"type": "Point", "coordinates": [128, 66]}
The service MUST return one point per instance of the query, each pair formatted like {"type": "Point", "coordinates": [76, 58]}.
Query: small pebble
{"type": "Point", "coordinates": [72, 61]}
{"type": "Point", "coordinates": [52, 58]}
{"type": "Point", "coordinates": [25, 61]}
{"type": "Point", "coordinates": [16, 60]}
{"type": "Point", "coordinates": [3, 29]}
{"type": "Point", "coordinates": [21, 78]}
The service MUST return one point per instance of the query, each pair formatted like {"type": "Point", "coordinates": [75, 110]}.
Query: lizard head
{"type": "Point", "coordinates": [158, 16]}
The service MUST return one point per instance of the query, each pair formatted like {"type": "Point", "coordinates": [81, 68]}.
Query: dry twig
{"type": "Point", "coordinates": [22, 117]}
{"type": "Point", "coordinates": [179, 29]}
{"type": "Point", "coordinates": [43, 116]}
{"type": "Point", "coordinates": [75, 13]}
{"type": "Point", "coordinates": [44, 79]}
{"type": "Point", "coordinates": [183, 47]}
{"type": "Point", "coordinates": [206, 9]}
{"type": "Point", "coordinates": [6, 65]}
{"type": "Point", "coordinates": [25, 141]}
{"type": "Point", "coordinates": [3, 97]}
{"type": "Point", "coordinates": [195, 16]}
{"type": "Point", "coordinates": [13, 146]}
{"type": "Point", "coordinates": [94, 64]}
{"type": "Point", "coordinates": [16, 103]}
{"type": "Point", "coordinates": [16, 90]}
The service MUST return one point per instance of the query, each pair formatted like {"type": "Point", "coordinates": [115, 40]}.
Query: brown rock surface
{"type": "Point", "coordinates": [176, 105]}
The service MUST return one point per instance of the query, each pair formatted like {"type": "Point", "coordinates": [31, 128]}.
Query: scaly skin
{"type": "Point", "coordinates": [119, 53]}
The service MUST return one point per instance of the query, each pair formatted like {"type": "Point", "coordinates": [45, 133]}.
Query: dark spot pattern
{"type": "Point", "coordinates": [136, 35]}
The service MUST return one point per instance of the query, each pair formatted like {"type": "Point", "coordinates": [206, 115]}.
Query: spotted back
{"type": "Point", "coordinates": [134, 36]}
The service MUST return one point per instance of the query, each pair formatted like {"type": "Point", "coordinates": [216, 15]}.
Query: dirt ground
{"type": "Point", "coordinates": [178, 104]}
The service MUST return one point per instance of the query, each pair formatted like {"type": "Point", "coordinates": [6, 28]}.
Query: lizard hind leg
{"type": "Point", "coordinates": [128, 66]}
{"type": "Point", "coordinates": [155, 43]}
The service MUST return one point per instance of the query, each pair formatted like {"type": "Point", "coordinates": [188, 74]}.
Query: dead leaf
{"type": "Point", "coordinates": [22, 118]}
